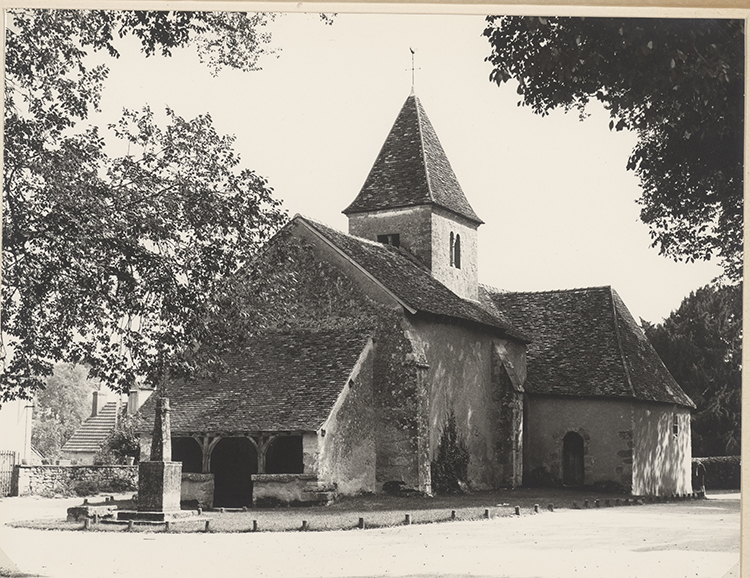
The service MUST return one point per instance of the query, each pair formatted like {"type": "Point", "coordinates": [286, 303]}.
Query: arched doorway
{"type": "Point", "coordinates": [284, 456]}
{"type": "Point", "coordinates": [188, 451]}
{"type": "Point", "coordinates": [233, 461]}
{"type": "Point", "coordinates": [573, 471]}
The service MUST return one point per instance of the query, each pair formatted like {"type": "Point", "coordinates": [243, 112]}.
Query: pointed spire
{"type": "Point", "coordinates": [412, 169]}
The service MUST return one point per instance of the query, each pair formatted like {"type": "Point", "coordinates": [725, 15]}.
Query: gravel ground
{"type": "Point", "coordinates": [673, 540]}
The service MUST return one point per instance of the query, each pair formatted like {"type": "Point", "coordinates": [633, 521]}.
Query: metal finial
{"type": "Point", "coordinates": [412, 68]}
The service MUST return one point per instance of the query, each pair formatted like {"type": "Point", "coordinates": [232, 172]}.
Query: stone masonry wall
{"type": "Point", "coordinates": [412, 224]}
{"type": "Point", "coordinates": [52, 480]}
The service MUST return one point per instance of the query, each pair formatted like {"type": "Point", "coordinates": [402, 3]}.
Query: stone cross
{"type": "Point", "coordinates": [161, 439]}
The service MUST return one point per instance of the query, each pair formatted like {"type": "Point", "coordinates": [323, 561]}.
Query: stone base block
{"type": "Point", "coordinates": [154, 516]}
{"type": "Point", "coordinates": [159, 485]}
{"type": "Point", "coordinates": [78, 513]}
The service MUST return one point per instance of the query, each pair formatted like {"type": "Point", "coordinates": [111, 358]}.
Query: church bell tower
{"type": "Point", "coordinates": [412, 199]}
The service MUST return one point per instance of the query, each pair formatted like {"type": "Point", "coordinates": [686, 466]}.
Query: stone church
{"type": "Point", "coordinates": [384, 338]}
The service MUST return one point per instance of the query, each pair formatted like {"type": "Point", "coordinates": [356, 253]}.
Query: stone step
{"type": "Point", "coordinates": [321, 497]}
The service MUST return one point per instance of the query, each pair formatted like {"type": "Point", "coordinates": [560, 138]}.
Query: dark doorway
{"type": "Point", "coordinates": [284, 456]}
{"type": "Point", "coordinates": [572, 459]}
{"type": "Point", "coordinates": [188, 451]}
{"type": "Point", "coordinates": [233, 461]}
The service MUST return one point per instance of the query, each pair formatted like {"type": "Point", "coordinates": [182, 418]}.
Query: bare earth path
{"type": "Point", "coordinates": [674, 540]}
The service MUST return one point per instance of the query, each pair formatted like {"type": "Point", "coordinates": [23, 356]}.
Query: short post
{"type": "Point", "coordinates": [87, 524]}
{"type": "Point", "coordinates": [255, 525]}
{"type": "Point", "coordinates": [536, 508]}
{"type": "Point", "coordinates": [167, 526]}
{"type": "Point", "coordinates": [361, 524]}
{"type": "Point", "coordinates": [221, 510]}
{"type": "Point", "coordinates": [207, 527]}
{"type": "Point", "coordinates": [551, 507]}
{"type": "Point", "coordinates": [453, 514]}
{"type": "Point", "coordinates": [518, 510]}
{"type": "Point", "coordinates": [96, 518]}
{"type": "Point", "coordinates": [487, 514]}
{"type": "Point", "coordinates": [407, 519]}
{"type": "Point", "coordinates": [130, 525]}
{"type": "Point", "coordinates": [304, 525]}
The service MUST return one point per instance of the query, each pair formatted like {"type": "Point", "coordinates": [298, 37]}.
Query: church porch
{"type": "Point", "coordinates": [235, 470]}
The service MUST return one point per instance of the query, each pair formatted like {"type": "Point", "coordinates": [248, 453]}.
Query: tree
{"type": "Point", "coordinates": [701, 345]}
{"type": "Point", "coordinates": [60, 408]}
{"type": "Point", "coordinates": [114, 262]}
{"type": "Point", "coordinates": [122, 443]}
{"type": "Point", "coordinates": [678, 84]}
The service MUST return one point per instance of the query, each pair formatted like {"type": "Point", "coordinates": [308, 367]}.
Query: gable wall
{"type": "Point", "coordinates": [662, 461]}
{"type": "Point", "coordinates": [346, 441]}
{"type": "Point", "coordinates": [606, 426]}
{"type": "Point", "coordinates": [325, 251]}
{"type": "Point", "coordinates": [459, 379]}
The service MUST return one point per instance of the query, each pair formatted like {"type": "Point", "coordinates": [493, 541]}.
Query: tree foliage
{"type": "Point", "coordinates": [61, 407]}
{"type": "Point", "coordinates": [123, 442]}
{"type": "Point", "coordinates": [114, 262]}
{"type": "Point", "coordinates": [679, 84]}
{"type": "Point", "coordinates": [701, 345]}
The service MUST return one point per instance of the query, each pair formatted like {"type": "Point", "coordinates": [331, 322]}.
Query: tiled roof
{"type": "Point", "coordinates": [586, 343]}
{"type": "Point", "coordinates": [92, 433]}
{"type": "Point", "coordinates": [408, 280]}
{"type": "Point", "coordinates": [412, 169]}
{"type": "Point", "coordinates": [279, 382]}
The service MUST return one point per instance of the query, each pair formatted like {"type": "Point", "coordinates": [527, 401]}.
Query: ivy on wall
{"type": "Point", "coordinates": [450, 467]}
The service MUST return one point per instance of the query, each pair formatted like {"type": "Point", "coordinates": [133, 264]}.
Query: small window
{"type": "Point", "coordinates": [392, 239]}
{"type": "Point", "coordinates": [675, 425]}
{"type": "Point", "coordinates": [457, 252]}
{"type": "Point", "coordinates": [450, 251]}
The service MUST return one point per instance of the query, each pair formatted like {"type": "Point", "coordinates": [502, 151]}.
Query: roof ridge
{"type": "Point", "coordinates": [618, 337]}
{"type": "Point", "coordinates": [539, 292]}
{"type": "Point", "coordinates": [430, 192]}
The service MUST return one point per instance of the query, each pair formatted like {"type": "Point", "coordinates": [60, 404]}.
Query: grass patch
{"type": "Point", "coordinates": [378, 511]}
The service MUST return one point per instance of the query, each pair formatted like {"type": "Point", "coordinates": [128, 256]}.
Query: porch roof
{"type": "Point", "coordinates": [279, 382]}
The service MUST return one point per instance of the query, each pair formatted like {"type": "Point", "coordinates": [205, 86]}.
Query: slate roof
{"type": "Point", "coordinates": [412, 169]}
{"type": "Point", "coordinates": [585, 342]}
{"type": "Point", "coordinates": [280, 382]}
{"type": "Point", "coordinates": [411, 282]}
{"type": "Point", "coordinates": [90, 436]}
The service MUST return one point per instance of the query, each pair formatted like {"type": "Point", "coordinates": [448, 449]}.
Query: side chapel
{"type": "Point", "coordinates": [557, 387]}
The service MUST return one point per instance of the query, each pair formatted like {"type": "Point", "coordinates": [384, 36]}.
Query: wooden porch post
{"type": "Point", "coordinates": [207, 444]}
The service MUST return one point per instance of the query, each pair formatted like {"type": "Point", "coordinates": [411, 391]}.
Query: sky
{"type": "Point", "coordinates": [559, 207]}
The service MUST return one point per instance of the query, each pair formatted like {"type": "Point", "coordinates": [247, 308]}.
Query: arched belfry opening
{"type": "Point", "coordinates": [573, 466]}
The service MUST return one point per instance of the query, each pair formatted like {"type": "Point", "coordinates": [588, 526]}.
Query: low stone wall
{"type": "Point", "coordinates": [290, 490]}
{"type": "Point", "coordinates": [72, 480]}
{"type": "Point", "coordinates": [198, 490]}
